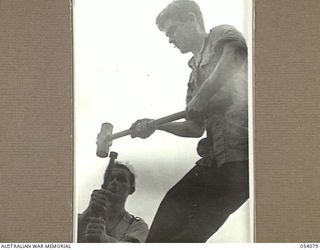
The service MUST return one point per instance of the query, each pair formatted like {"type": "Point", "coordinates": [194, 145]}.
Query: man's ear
{"type": "Point", "coordinates": [192, 17]}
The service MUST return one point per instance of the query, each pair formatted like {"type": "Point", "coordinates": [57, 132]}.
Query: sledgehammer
{"type": "Point", "coordinates": [105, 137]}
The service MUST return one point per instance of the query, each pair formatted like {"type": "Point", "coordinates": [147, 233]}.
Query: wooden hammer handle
{"type": "Point", "coordinates": [160, 121]}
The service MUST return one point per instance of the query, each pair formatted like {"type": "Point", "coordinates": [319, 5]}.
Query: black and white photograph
{"type": "Point", "coordinates": [162, 112]}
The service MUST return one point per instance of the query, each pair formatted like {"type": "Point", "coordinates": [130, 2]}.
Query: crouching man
{"type": "Point", "coordinates": [106, 220]}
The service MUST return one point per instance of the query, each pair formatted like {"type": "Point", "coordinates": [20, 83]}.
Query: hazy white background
{"type": "Point", "coordinates": [125, 69]}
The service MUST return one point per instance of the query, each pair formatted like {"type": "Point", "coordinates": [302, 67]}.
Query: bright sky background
{"type": "Point", "coordinates": [125, 69]}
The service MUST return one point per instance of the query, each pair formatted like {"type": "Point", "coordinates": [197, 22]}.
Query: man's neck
{"type": "Point", "coordinates": [199, 42]}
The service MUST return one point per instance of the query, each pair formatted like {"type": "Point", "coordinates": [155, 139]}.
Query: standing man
{"type": "Point", "coordinates": [106, 220]}
{"type": "Point", "coordinates": [217, 102]}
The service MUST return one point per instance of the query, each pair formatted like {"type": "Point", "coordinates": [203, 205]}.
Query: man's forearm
{"type": "Point", "coordinates": [183, 129]}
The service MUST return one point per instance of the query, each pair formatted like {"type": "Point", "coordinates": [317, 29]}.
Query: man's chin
{"type": "Point", "coordinates": [182, 51]}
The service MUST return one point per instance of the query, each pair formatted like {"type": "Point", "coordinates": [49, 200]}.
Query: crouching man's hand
{"type": "Point", "coordinates": [96, 231]}
{"type": "Point", "coordinates": [98, 202]}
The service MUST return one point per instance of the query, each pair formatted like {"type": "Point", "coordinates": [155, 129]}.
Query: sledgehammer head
{"type": "Point", "coordinates": [103, 140]}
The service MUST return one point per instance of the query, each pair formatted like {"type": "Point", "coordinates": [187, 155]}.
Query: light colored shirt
{"type": "Point", "coordinates": [129, 229]}
{"type": "Point", "coordinates": [226, 119]}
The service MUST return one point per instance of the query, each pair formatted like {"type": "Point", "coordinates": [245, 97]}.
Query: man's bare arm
{"type": "Point", "coordinates": [187, 128]}
{"type": "Point", "coordinates": [183, 129]}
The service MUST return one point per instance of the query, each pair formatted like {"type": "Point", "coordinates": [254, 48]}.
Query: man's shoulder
{"type": "Point", "coordinates": [135, 219]}
{"type": "Point", "coordinates": [221, 34]}
{"type": "Point", "coordinates": [223, 28]}
{"type": "Point", "coordinates": [225, 31]}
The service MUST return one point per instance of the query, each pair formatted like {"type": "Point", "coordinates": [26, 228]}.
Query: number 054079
{"type": "Point", "coordinates": [310, 245]}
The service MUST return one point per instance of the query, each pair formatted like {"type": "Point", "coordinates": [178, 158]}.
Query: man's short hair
{"type": "Point", "coordinates": [128, 167]}
{"type": "Point", "coordinates": [179, 10]}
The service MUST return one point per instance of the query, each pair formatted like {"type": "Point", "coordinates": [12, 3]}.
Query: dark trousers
{"type": "Point", "coordinates": [199, 204]}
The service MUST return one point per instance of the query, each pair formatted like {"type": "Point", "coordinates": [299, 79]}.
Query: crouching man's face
{"type": "Point", "coordinates": [119, 186]}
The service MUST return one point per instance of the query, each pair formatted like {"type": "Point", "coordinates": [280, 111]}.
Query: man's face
{"type": "Point", "coordinates": [119, 184]}
{"type": "Point", "coordinates": [180, 34]}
